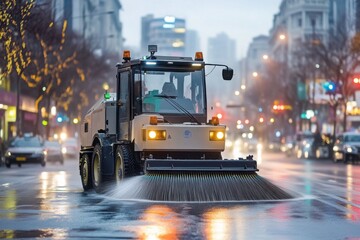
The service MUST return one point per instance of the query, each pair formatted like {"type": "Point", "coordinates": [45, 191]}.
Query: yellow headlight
{"type": "Point", "coordinates": [220, 135]}
{"type": "Point", "coordinates": [156, 135]}
{"type": "Point", "coordinates": [152, 134]}
{"type": "Point", "coordinates": [216, 136]}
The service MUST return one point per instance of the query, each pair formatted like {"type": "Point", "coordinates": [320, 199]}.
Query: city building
{"type": "Point", "coordinates": [168, 33]}
{"type": "Point", "coordinates": [192, 43]}
{"type": "Point", "coordinates": [222, 49]}
{"type": "Point", "coordinates": [97, 21]}
{"type": "Point", "coordinates": [296, 23]}
{"type": "Point", "coordinates": [256, 58]}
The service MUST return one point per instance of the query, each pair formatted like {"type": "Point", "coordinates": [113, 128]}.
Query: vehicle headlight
{"type": "Point", "coordinates": [350, 149]}
{"type": "Point", "coordinates": [216, 135]}
{"type": "Point", "coordinates": [336, 148]}
{"type": "Point", "coordinates": [7, 154]}
{"type": "Point", "coordinates": [155, 135]}
{"type": "Point", "coordinates": [63, 150]}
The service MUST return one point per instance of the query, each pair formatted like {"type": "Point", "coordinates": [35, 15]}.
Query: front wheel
{"type": "Point", "coordinates": [85, 175]}
{"type": "Point", "coordinates": [119, 165]}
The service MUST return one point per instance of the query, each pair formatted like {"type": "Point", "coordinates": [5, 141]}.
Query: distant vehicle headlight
{"type": "Point", "coordinates": [7, 154]}
{"type": "Point", "coordinates": [350, 149]}
{"type": "Point", "coordinates": [63, 150]}
{"type": "Point", "coordinates": [336, 148]}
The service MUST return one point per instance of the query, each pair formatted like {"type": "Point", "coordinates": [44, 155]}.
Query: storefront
{"type": "Point", "coordinates": [8, 114]}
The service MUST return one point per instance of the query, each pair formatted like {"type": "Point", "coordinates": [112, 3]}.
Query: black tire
{"type": "Point", "coordinates": [96, 176]}
{"type": "Point", "coordinates": [19, 164]}
{"type": "Point", "coordinates": [124, 163]}
{"type": "Point", "coordinates": [85, 172]}
{"type": "Point", "coordinates": [8, 165]}
{"type": "Point", "coordinates": [43, 163]}
{"type": "Point", "coordinates": [119, 173]}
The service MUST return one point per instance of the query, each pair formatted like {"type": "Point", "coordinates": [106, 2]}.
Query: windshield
{"type": "Point", "coordinates": [26, 142]}
{"type": "Point", "coordinates": [352, 138]}
{"type": "Point", "coordinates": [168, 92]}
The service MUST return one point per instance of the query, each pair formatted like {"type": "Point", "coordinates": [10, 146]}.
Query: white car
{"type": "Point", "coordinates": [347, 147]}
{"type": "Point", "coordinates": [27, 149]}
{"type": "Point", "coordinates": [54, 152]}
{"type": "Point", "coordinates": [70, 147]}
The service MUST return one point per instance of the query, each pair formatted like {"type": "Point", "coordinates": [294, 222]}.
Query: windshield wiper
{"type": "Point", "coordinates": [177, 106]}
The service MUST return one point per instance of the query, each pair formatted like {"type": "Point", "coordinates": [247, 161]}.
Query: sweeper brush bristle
{"type": "Point", "coordinates": [200, 187]}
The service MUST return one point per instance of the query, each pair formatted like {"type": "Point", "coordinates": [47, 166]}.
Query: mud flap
{"type": "Point", "coordinates": [107, 160]}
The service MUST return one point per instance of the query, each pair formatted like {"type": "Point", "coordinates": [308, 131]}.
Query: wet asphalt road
{"type": "Point", "coordinates": [48, 202]}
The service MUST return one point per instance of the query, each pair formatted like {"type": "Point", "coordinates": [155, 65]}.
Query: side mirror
{"type": "Point", "coordinates": [227, 73]}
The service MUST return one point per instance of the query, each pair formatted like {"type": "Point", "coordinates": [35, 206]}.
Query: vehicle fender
{"type": "Point", "coordinates": [107, 152]}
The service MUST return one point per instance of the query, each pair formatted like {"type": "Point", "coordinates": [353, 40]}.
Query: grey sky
{"type": "Point", "coordinates": [240, 19]}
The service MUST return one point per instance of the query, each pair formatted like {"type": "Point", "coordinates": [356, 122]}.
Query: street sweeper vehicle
{"type": "Point", "coordinates": [155, 123]}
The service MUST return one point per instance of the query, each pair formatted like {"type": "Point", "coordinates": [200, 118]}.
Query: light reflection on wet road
{"type": "Point", "coordinates": [49, 203]}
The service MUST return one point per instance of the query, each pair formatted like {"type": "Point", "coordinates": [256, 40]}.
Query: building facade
{"type": "Point", "coordinates": [97, 21]}
{"type": "Point", "coordinates": [168, 33]}
{"type": "Point", "coordinates": [299, 22]}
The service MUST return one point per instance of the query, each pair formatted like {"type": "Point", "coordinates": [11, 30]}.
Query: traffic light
{"type": "Point", "coordinates": [279, 108]}
{"type": "Point", "coordinates": [45, 122]}
{"type": "Point", "coordinates": [330, 87]}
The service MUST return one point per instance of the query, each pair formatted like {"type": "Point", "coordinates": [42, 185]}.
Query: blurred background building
{"type": "Point", "coordinates": [168, 33]}
{"type": "Point", "coordinates": [97, 21]}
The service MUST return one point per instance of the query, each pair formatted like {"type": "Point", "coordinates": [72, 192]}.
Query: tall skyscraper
{"type": "Point", "coordinates": [168, 33]}
{"type": "Point", "coordinates": [221, 49]}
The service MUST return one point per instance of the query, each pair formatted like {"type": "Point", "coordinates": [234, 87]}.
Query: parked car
{"type": "Point", "coordinates": [54, 152]}
{"type": "Point", "coordinates": [26, 149]}
{"type": "Point", "coordinates": [347, 147]}
{"type": "Point", "coordinates": [70, 147]}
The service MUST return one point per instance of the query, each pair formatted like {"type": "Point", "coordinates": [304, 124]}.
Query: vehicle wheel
{"type": "Point", "coordinates": [8, 165]}
{"type": "Point", "coordinates": [19, 164]}
{"type": "Point", "coordinates": [96, 176]}
{"type": "Point", "coordinates": [119, 165]}
{"type": "Point", "coordinates": [85, 172]}
{"type": "Point", "coordinates": [124, 163]}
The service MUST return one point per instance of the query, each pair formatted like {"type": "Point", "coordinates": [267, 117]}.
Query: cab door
{"type": "Point", "coordinates": [124, 96]}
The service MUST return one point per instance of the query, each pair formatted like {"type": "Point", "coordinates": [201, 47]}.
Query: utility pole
{"type": "Point", "coordinates": [313, 22]}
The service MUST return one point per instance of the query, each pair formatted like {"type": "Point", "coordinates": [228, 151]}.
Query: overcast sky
{"type": "Point", "coordinates": [241, 20]}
